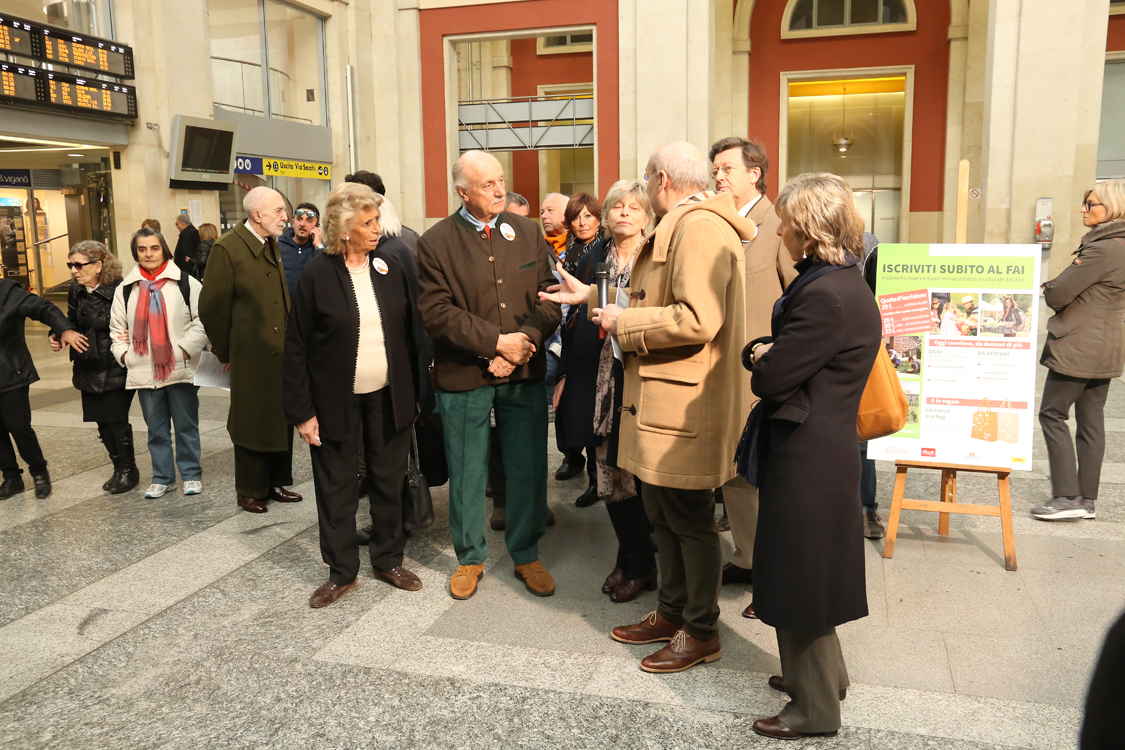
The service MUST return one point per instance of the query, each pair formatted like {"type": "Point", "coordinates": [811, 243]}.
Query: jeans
{"type": "Point", "coordinates": [867, 480]}
{"type": "Point", "coordinates": [178, 404]}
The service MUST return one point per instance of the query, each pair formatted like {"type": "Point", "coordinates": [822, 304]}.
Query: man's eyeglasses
{"type": "Point", "coordinates": [724, 171]}
{"type": "Point", "coordinates": [304, 213]}
{"type": "Point", "coordinates": [80, 266]}
{"type": "Point", "coordinates": [1087, 205]}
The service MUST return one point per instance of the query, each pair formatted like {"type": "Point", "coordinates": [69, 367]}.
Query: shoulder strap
{"type": "Point", "coordinates": [125, 293]}
{"type": "Point", "coordinates": [185, 292]}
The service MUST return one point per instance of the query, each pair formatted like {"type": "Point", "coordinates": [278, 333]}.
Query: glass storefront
{"type": "Point", "coordinates": [94, 17]}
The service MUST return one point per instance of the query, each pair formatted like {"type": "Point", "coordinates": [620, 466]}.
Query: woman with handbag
{"type": "Point", "coordinates": [157, 336]}
{"type": "Point", "coordinates": [591, 381]}
{"type": "Point", "coordinates": [1084, 351]}
{"type": "Point", "coordinates": [97, 375]}
{"type": "Point", "coordinates": [811, 374]}
{"type": "Point", "coordinates": [353, 382]}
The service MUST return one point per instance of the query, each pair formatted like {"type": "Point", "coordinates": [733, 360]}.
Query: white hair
{"type": "Point", "coordinates": [683, 164]}
{"type": "Point", "coordinates": [388, 219]}
{"type": "Point", "coordinates": [258, 198]}
{"type": "Point", "coordinates": [475, 156]}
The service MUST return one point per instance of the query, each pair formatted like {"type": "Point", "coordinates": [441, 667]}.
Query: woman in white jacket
{"type": "Point", "coordinates": [158, 337]}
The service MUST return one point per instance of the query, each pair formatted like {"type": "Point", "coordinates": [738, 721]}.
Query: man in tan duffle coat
{"type": "Point", "coordinates": [682, 416]}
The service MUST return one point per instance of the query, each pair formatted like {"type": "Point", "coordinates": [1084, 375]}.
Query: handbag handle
{"type": "Point", "coordinates": [985, 405]}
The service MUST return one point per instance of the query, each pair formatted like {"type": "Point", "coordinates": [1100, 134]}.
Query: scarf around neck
{"type": "Point", "coordinates": [150, 323]}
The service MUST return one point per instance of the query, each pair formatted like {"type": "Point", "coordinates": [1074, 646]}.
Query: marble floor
{"type": "Point", "coordinates": [184, 623]}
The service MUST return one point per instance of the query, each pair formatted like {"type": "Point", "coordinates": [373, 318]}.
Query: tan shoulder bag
{"type": "Point", "coordinates": [882, 410]}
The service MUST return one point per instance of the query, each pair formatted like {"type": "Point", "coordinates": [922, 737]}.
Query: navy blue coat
{"type": "Point", "coordinates": [294, 258]}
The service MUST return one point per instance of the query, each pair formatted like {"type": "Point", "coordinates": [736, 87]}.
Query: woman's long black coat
{"type": "Point", "coordinates": [581, 351]}
{"type": "Point", "coordinates": [322, 341]}
{"type": "Point", "coordinates": [808, 553]}
{"type": "Point", "coordinates": [96, 370]}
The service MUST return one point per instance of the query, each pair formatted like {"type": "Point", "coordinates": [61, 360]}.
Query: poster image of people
{"type": "Point", "coordinates": [905, 353]}
{"type": "Point", "coordinates": [1006, 315]}
{"type": "Point", "coordinates": [954, 314]}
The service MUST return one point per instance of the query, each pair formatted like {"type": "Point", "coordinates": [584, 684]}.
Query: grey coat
{"type": "Point", "coordinates": [1086, 335]}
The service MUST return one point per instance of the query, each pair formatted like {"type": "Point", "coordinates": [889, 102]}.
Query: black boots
{"type": "Point", "coordinates": [42, 484]}
{"type": "Point", "coordinates": [119, 442]}
{"type": "Point", "coordinates": [11, 486]}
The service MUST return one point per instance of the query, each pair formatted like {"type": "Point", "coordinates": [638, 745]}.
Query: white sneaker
{"type": "Point", "coordinates": [193, 487]}
{"type": "Point", "coordinates": [157, 490]}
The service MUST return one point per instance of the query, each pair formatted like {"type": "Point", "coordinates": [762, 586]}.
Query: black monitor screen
{"type": "Point", "coordinates": [207, 150]}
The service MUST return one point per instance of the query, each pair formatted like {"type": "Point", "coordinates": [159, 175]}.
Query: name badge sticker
{"type": "Point", "coordinates": [380, 266]}
{"type": "Point", "coordinates": [507, 232]}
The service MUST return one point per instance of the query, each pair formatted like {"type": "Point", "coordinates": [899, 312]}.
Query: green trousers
{"type": "Point", "coordinates": [521, 420]}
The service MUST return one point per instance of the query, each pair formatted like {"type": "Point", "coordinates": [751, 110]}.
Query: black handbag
{"type": "Point", "coordinates": [430, 447]}
{"type": "Point", "coordinates": [417, 504]}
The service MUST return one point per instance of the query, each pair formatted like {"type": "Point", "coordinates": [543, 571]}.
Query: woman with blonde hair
{"type": "Point", "coordinates": [208, 233]}
{"type": "Point", "coordinates": [96, 274]}
{"type": "Point", "coordinates": [810, 373]}
{"type": "Point", "coordinates": [353, 382]}
{"type": "Point", "coordinates": [1084, 351]}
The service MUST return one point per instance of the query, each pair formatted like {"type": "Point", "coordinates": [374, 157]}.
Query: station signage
{"type": "Point", "coordinates": [277, 167]}
{"type": "Point", "coordinates": [20, 36]}
{"type": "Point", "coordinates": [19, 83]}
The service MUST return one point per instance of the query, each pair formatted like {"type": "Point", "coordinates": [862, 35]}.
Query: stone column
{"type": "Point", "coordinates": [1043, 89]}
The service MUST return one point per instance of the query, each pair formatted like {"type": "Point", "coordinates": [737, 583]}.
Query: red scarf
{"type": "Point", "coordinates": [150, 322]}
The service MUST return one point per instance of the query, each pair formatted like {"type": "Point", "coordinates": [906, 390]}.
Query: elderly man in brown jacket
{"type": "Point", "coordinates": [480, 271]}
{"type": "Point", "coordinates": [682, 413]}
{"type": "Point", "coordinates": [739, 168]}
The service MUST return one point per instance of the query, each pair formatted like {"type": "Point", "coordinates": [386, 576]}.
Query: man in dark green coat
{"type": "Point", "coordinates": [244, 306]}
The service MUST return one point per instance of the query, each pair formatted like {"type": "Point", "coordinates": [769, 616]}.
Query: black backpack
{"type": "Point", "coordinates": [185, 291]}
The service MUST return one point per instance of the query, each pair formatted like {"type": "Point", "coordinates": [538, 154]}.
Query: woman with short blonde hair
{"type": "Point", "coordinates": [353, 381]}
{"type": "Point", "coordinates": [820, 209]}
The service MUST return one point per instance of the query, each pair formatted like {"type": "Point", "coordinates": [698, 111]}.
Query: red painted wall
{"type": "Point", "coordinates": [926, 48]}
{"type": "Point", "coordinates": [531, 70]}
{"type": "Point", "coordinates": [1115, 40]}
{"type": "Point", "coordinates": [532, 14]}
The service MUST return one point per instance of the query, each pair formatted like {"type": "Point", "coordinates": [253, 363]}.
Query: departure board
{"type": "Point", "coordinates": [21, 36]}
{"type": "Point", "coordinates": [56, 90]}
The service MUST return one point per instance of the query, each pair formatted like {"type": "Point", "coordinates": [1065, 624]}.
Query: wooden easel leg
{"type": "Point", "coordinates": [896, 510]}
{"type": "Point", "coordinates": [1006, 522]}
{"type": "Point", "coordinates": [948, 482]}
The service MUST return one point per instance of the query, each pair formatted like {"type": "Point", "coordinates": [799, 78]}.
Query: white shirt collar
{"type": "Point", "coordinates": [260, 237]}
{"type": "Point", "coordinates": [745, 210]}
{"type": "Point", "coordinates": [475, 221]}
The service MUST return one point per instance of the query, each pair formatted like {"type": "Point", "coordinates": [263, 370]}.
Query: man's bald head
{"type": "Point", "coordinates": [265, 210]}
{"type": "Point", "coordinates": [675, 171]}
{"type": "Point", "coordinates": [478, 178]}
{"type": "Point", "coordinates": [552, 212]}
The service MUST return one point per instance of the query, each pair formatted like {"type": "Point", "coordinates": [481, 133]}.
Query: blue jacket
{"type": "Point", "coordinates": [294, 258]}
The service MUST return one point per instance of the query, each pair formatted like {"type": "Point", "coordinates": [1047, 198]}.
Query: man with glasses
{"type": "Point", "coordinates": [300, 243]}
{"type": "Point", "coordinates": [739, 167]}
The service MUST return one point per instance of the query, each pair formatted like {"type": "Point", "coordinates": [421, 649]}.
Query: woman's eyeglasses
{"type": "Point", "coordinates": [1087, 205]}
{"type": "Point", "coordinates": [80, 266]}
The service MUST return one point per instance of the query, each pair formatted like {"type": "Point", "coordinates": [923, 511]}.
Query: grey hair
{"type": "Point", "coordinates": [548, 196]}
{"type": "Point", "coordinates": [183, 220]}
{"type": "Point", "coordinates": [685, 172]}
{"type": "Point", "coordinates": [515, 199]}
{"type": "Point", "coordinates": [256, 198]}
{"type": "Point", "coordinates": [388, 219]}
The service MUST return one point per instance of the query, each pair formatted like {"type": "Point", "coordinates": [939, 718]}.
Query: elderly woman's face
{"type": "Point", "coordinates": [150, 253]}
{"type": "Point", "coordinates": [365, 232]}
{"type": "Point", "coordinates": [793, 242]}
{"type": "Point", "coordinates": [84, 271]}
{"type": "Point", "coordinates": [585, 225]}
{"type": "Point", "coordinates": [1093, 210]}
{"type": "Point", "coordinates": [626, 218]}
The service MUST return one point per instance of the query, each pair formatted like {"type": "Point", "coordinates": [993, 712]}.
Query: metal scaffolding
{"type": "Point", "coordinates": [526, 123]}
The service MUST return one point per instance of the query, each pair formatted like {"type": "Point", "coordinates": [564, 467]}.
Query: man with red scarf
{"type": "Point", "coordinates": [244, 308]}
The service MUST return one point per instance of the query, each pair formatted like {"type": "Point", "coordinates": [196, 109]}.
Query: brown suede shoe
{"type": "Point", "coordinates": [282, 495]}
{"type": "Point", "coordinates": [684, 652]}
{"type": "Point", "coordinates": [400, 578]}
{"type": "Point", "coordinates": [329, 593]}
{"type": "Point", "coordinates": [252, 504]}
{"type": "Point", "coordinates": [536, 578]}
{"type": "Point", "coordinates": [651, 629]}
{"type": "Point", "coordinates": [775, 728]}
{"type": "Point", "coordinates": [613, 579]}
{"type": "Point", "coordinates": [463, 582]}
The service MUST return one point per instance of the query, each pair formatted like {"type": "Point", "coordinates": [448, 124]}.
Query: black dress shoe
{"type": "Point", "coordinates": [734, 574]}
{"type": "Point", "coordinates": [587, 498]}
{"type": "Point", "coordinates": [777, 683]}
{"type": "Point", "coordinates": [42, 485]}
{"type": "Point", "coordinates": [363, 536]}
{"type": "Point", "coordinates": [569, 469]}
{"type": "Point", "coordinates": [11, 486]}
{"type": "Point", "coordinates": [282, 495]}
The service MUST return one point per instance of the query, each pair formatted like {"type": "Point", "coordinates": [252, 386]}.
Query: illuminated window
{"type": "Point", "coordinates": [833, 17]}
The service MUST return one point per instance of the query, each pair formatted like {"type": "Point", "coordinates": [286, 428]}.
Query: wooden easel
{"type": "Point", "coordinates": [949, 503]}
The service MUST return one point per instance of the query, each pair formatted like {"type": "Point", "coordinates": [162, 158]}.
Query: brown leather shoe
{"type": "Point", "coordinates": [536, 578]}
{"type": "Point", "coordinates": [734, 574]}
{"type": "Point", "coordinates": [329, 593]}
{"type": "Point", "coordinates": [749, 612]}
{"type": "Point", "coordinates": [651, 629]}
{"type": "Point", "coordinates": [775, 728]}
{"type": "Point", "coordinates": [776, 683]}
{"type": "Point", "coordinates": [630, 589]}
{"type": "Point", "coordinates": [252, 504]}
{"type": "Point", "coordinates": [400, 578]}
{"type": "Point", "coordinates": [613, 579]}
{"type": "Point", "coordinates": [684, 652]}
{"type": "Point", "coordinates": [463, 582]}
{"type": "Point", "coordinates": [282, 495]}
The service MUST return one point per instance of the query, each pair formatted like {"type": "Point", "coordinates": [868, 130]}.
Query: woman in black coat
{"type": "Point", "coordinates": [809, 572]}
{"type": "Point", "coordinates": [351, 362]}
{"type": "Point", "coordinates": [96, 275]}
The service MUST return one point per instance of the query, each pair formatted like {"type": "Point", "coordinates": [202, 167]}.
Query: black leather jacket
{"type": "Point", "coordinates": [17, 305]}
{"type": "Point", "coordinates": [95, 370]}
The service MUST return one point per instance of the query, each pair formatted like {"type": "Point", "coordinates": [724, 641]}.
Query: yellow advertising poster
{"type": "Point", "coordinates": [290, 168]}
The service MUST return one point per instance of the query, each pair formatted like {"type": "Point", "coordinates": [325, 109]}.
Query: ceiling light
{"type": "Point", "coordinates": [76, 155]}
{"type": "Point", "coordinates": [842, 144]}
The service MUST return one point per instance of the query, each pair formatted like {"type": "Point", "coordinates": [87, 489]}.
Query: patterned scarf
{"type": "Point", "coordinates": [150, 322]}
